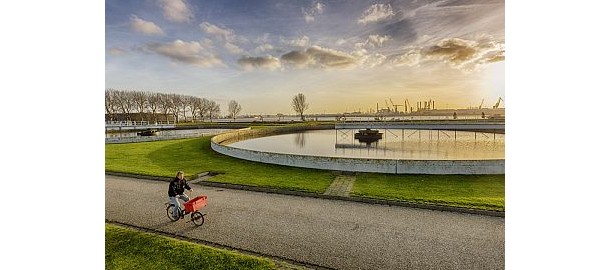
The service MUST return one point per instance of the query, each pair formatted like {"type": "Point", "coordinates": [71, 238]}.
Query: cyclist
{"type": "Point", "coordinates": [176, 191]}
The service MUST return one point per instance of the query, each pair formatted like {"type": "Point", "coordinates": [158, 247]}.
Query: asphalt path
{"type": "Point", "coordinates": [328, 233]}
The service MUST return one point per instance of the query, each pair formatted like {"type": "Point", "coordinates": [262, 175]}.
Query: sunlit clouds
{"type": "Point", "coordinates": [351, 51]}
{"type": "Point", "coordinates": [176, 10]}
{"type": "Point", "coordinates": [189, 52]}
{"type": "Point", "coordinates": [145, 27]}
{"type": "Point", "coordinates": [266, 62]}
{"type": "Point", "coordinates": [375, 13]}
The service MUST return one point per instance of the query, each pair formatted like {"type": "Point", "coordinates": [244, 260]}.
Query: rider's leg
{"type": "Point", "coordinates": [184, 197]}
{"type": "Point", "coordinates": [176, 203]}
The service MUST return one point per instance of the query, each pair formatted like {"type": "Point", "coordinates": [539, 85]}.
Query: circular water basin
{"type": "Point", "coordinates": [404, 144]}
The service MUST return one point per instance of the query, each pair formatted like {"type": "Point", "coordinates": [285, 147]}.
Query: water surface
{"type": "Point", "coordinates": [405, 144]}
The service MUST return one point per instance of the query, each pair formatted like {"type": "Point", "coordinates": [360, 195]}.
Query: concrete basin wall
{"type": "Point", "coordinates": [220, 142]}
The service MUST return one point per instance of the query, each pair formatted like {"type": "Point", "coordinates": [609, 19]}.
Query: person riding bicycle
{"type": "Point", "coordinates": [176, 191]}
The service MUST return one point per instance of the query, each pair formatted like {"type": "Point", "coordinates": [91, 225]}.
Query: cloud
{"type": "Point", "coordinates": [232, 48]}
{"type": "Point", "coordinates": [410, 58]}
{"type": "Point", "coordinates": [454, 50]}
{"type": "Point", "coordinates": [297, 58]}
{"type": "Point", "coordinates": [217, 31]}
{"type": "Point", "coordinates": [373, 41]}
{"type": "Point", "coordinates": [466, 55]}
{"type": "Point", "coordinates": [176, 10]}
{"type": "Point", "coordinates": [191, 52]}
{"type": "Point", "coordinates": [302, 42]}
{"type": "Point", "coordinates": [310, 13]}
{"type": "Point", "coordinates": [373, 60]}
{"type": "Point", "coordinates": [320, 57]}
{"type": "Point", "coordinates": [264, 62]}
{"type": "Point", "coordinates": [376, 13]}
{"type": "Point", "coordinates": [145, 27]}
{"type": "Point", "coordinates": [263, 48]}
{"type": "Point", "coordinates": [117, 51]}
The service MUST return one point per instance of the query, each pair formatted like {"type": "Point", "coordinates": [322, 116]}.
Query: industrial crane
{"type": "Point", "coordinates": [406, 108]}
{"type": "Point", "coordinates": [386, 104]}
{"type": "Point", "coordinates": [395, 106]}
{"type": "Point", "coordinates": [498, 103]}
{"type": "Point", "coordinates": [481, 103]}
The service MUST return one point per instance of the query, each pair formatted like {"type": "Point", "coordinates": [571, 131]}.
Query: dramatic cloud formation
{"type": "Point", "coordinates": [296, 58]}
{"type": "Point", "coordinates": [265, 62]}
{"type": "Point", "coordinates": [466, 54]}
{"type": "Point", "coordinates": [454, 50]}
{"type": "Point", "coordinates": [351, 49]}
{"type": "Point", "coordinates": [463, 54]}
{"type": "Point", "coordinates": [319, 57]}
{"type": "Point", "coordinates": [145, 27]}
{"type": "Point", "coordinates": [176, 10]}
{"type": "Point", "coordinates": [376, 13]}
{"type": "Point", "coordinates": [316, 9]}
{"type": "Point", "coordinates": [187, 52]}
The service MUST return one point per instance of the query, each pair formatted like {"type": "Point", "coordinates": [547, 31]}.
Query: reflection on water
{"type": "Point", "coordinates": [395, 144]}
{"type": "Point", "coordinates": [299, 139]}
{"type": "Point", "coordinates": [168, 133]}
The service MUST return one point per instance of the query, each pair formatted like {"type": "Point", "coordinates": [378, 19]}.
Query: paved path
{"type": "Point", "coordinates": [341, 186]}
{"type": "Point", "coordinates": [329, 233]}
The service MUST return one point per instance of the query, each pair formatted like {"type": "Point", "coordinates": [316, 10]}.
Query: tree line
{"type": "Point", "coordinates": [141, 103]}
{"type": "Point", "coordinates": [138, 105]}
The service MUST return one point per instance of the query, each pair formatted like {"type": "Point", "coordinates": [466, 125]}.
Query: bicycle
{"type": "Point", "coordinates": [191, 207]}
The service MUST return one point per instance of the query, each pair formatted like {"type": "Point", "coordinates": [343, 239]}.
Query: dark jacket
{"type": "Point", "coordinates": [177, 186]}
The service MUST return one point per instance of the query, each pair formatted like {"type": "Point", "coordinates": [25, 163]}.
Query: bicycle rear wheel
{"type": "Point", "coordinates": [170, 213]}
{"type": "Point", "coordinates": [197, 218]}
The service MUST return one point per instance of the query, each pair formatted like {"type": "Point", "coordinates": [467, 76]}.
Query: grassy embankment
{"type": "Point", "coordinates": [471, 191]}
{"type": "Point", "coordinates": [129, 249]}
{"type": "Point", "coordinates": [164, 158]}
{"type": "Point", "coordinates": [193, 156]}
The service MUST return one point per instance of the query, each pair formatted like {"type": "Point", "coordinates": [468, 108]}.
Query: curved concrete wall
{"type": "Point", "coordinates": [392, 166]}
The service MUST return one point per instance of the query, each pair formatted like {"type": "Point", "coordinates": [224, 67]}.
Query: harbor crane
{"type": "Point", "coordinates": [498, 103]}
{"type": "Point", "coordinates": [481, 103]}
{"type": "Point", "coordinates": [406, 108]}
{"type": "Point", "coordinates": [395, 106]}
{"type": "Point", "coordinates": [386, 104]}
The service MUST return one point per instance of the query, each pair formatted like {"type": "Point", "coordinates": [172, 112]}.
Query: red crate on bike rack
{"type": "Point", "coordinates": [196, 203]}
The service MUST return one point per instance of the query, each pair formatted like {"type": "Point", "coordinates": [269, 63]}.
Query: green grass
{"type": "Point", "coordinates": [193, 156]}
{"type": "Point", "coordinates": [129, 249]}
{"type": "Point", "coordinates": [471, 191]}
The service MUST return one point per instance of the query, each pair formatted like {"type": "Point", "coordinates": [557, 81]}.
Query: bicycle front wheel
{"type": "Point", "coordinates": [170, 213]}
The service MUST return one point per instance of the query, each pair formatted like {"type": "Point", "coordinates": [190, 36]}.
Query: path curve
{"type": "Point", "coordinates": [329, 233]}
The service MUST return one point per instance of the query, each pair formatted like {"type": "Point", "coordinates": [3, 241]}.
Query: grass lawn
{"type": "Point", "coordinates": [193, 156]}
{"type": "Point", "coordinates": [472, 191]}
{"type": "Point", "coordinates": [130, 249]}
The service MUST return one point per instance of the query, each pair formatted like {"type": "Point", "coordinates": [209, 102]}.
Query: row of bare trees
{"type": "Point", "coordinates": [139, 103]}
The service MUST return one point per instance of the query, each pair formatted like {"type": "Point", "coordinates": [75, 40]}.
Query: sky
{"type": "Point", "coordinates": [343, 55]}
